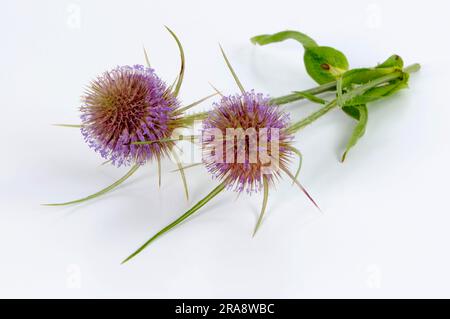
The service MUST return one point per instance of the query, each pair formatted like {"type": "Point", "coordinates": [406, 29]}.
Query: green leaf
{"type": "Point", "coordinates": [103, 191]}
{"type": "Point", "coordinates": [380, 92]}
{"type": "Point", "coordinates": [394, 61]}
{"type": "Point", "coordinates": [264, 204]}
{"type": "Point", "coordinates": [183, 217]}
{"type": "Point", "coordinates": [264, 39]}
{"type": "Point", "coordinates": [351, 111]}
{"type": "Point", "coordinates": [376, 82]}
{"type": "Point", "coordinates": [358, 131]}
{"type": "Point", "coordinates": [331, 86]}
{"type": "Point", "coordinates": [348, 96]}
{"type": "Point", "coordinates": [339, 92]}
{"type": "Point", "coordinates": [325, 64]}
{"type": "Point", "coordinates": [364, 75]}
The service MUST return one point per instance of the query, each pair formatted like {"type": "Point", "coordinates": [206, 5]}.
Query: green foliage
{"type": "Point", "coordinates": [354, 88]}
{"type": "Point", "coordinates": [380, 92]}
{"type": "Point", "coordinates": [351, 111]}
{"type": "Point", "coordinates": [304, 40]}
{"type": "Point", "coordinates": [359, 129]}
{"type": "Point", "coordinates": [394, 61]}
{"type": "Point", "coordinates": [363, 75]}
{"type": "Point", "coordinates": [324, 64]}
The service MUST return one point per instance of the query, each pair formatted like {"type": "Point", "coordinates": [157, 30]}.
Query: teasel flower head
{"type": "Point", "coordinates": [129, 115]}
{"type": "Point", "coordinates": [261, 140]}
{"type": "Point", "coordinates": [126, 105]}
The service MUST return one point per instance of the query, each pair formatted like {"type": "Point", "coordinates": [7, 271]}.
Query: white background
{"type": "Point", "coordinates": [385, 227]}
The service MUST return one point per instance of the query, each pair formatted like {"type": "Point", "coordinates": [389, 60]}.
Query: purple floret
{"type": "Point", "coordinates": [246, 111]}
{"type": "Point", "coordinates": [128, 104]}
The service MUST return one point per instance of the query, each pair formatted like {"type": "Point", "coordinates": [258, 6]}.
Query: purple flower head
{"type": "Point", "coordinates": [240, 160]}
{"type": "Point", "coordinates": [126, 105]}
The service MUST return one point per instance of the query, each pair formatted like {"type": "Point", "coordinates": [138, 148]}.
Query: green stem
{"type": "Point", "coordinates": [183, 217]}
{"type": "Point", "coordinates": [308, 120]}
{"type": "Point", "coordinates": [412, 68]}
{"type": "Point", "coordinates": [324, 88]}
{"type": "Point", "coordinates": [349, 95]}
{"type": "Point", "coordinates": [300, 95]}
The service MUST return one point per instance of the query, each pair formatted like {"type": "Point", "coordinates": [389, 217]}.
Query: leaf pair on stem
{"type": "Point", "coordinates": [330, 68]}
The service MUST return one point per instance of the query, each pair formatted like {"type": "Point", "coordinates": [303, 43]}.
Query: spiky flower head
{"type": "Point", "coordinates": [125, 105]}
{"type": "Point", "coordinates": [248, 112]}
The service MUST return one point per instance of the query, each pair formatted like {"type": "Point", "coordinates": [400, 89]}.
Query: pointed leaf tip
{"type": "Point", "coordinates": [182, 218]}
{"type": "Point", "coordinates": [358, 130]}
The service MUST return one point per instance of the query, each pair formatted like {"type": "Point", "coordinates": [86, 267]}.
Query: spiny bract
{"type": "Point", "coordinates": [126, 105]}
